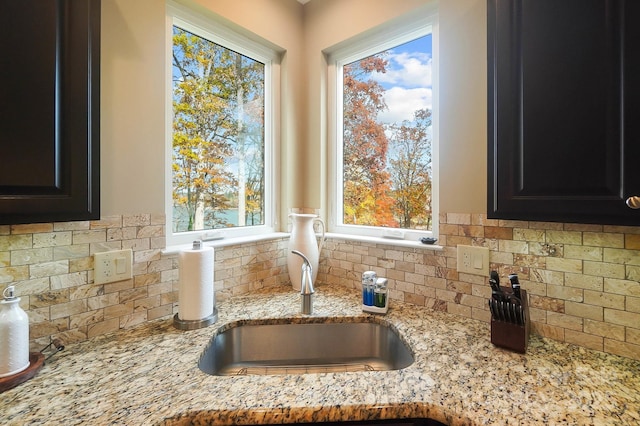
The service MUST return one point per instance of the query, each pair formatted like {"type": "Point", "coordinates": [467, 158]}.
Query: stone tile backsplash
{"type": "Point", "coordinates": [582, 280]}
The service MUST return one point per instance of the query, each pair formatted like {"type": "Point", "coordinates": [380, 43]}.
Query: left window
{"type": "Point", "coordinates": [219, 143]}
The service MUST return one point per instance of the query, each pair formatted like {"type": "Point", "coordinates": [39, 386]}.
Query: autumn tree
{"type": "Point", "coordinates": [254, 177]}
{"type": "Point", "coordinates": [365, 145]}
{"type": "Point", "coordinates": [248, 85]}
{"type": "Point", "coordinates": [218, 105]}
{"type": "Point", "coordinates": [410, 168]}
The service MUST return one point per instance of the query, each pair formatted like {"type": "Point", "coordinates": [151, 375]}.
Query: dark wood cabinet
{"type": "Point", "coordinates": [49, 110]}
{"type": "Point", "coordinates": [564, 110]}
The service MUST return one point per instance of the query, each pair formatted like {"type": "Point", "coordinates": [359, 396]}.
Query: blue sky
{"type": "Point", "coordinates": [407, 80]}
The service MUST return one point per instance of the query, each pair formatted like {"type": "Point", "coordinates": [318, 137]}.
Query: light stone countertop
{"type": "Point", "coordinates": [148, 375]}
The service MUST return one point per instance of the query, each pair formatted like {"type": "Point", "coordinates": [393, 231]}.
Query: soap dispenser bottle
{"type": "Point", "coordinates": [380, 293]}
{"type": "Point", "coordinates": [14, 334]}
{"type": "Point", "coordinates": [368, 286]}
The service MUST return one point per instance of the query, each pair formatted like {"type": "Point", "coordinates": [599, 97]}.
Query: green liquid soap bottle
{"type": "Point", "coordinates": [380, 293]}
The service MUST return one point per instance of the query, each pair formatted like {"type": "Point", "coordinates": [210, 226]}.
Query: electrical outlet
{"type": "Point", "coordinates": [473, 260]}
{"type": "Point", "coordinates": [112, 266]}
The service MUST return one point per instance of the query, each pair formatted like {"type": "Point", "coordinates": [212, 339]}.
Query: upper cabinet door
{"type": "Point", "coordinates": [49, 111]}
{"type": "Point", "coordinates": [564, 110]}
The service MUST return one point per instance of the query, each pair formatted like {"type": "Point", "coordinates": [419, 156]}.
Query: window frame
{"type": "Point", "coordinates": [374, 41]}
{"type": "Point", "coordinates": [207, 25]}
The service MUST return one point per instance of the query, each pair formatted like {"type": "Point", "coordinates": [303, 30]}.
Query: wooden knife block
{"type": "Point", "coordinates": [512, 336]}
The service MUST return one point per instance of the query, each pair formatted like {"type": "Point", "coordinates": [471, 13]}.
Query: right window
{"type": "Point", "coordinates": [385, 180]}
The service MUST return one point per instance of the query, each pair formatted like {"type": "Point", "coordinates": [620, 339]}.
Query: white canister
{"type": "Point", "coordinates": [14, 335]}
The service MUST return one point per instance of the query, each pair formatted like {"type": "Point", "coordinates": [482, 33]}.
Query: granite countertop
{"type": "Point", "coordinates": [148, 375]}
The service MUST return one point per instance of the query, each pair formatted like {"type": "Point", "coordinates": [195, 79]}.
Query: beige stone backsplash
{"type": "Point", "coordinates": [582, 279]}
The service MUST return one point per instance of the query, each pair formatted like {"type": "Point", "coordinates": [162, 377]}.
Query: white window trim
{"type": "Point", "coordinates": [215, 29]}
{"type": "Point", "coordinates": [386, 37]}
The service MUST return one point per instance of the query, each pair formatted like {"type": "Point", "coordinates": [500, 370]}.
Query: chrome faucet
{"type": "Point", "coordinates": [306, 285]}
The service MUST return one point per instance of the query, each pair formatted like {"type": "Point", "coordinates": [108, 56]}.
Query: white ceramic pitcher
{"type": "Point", "coordinates": [303, 238]}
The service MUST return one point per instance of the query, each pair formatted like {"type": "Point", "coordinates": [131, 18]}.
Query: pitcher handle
{"type": "Point", "coordinates": [317, 219]}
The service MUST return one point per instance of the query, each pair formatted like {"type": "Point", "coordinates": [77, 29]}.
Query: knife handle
{"type": "Point", "coordinates": [495, 277]}
{"type": "Point", "coordinates": [515, 285]}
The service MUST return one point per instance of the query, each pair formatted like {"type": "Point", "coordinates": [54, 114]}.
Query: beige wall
{"type": "Point", "coordinates": [280, 23]}
{"type": "Point", "coordinates": [133, 89]}
{"type": "Point", "coordinates": [462, 29]}
{"type": "Point", "coordinates": [132, 106]}
{"type": "Point", "coordinates": [463, 106]}
{"type": "Point", "coordinates": [133, 85]}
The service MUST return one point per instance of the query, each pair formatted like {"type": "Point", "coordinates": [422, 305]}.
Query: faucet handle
{"type": "Point", "coordinates": [306, 261]}
{"type": "Point", "coordinates": [306, 283]}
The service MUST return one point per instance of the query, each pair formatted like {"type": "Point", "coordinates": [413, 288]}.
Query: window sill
{"type": "Point", "coordinates": [385, 241]}
{"type": "Point", "coordinates": [224, 242]}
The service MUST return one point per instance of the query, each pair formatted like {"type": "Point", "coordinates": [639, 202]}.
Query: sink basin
{"type": "Point", "coordinates": [362, 344]}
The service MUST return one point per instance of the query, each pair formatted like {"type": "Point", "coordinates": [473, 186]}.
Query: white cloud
{"type": "Point", "coordinates": [408, 85]}
{"type": "Point", "coordinates": [402, 103]}
{"type": "Point", "coordinates": [407, 70]}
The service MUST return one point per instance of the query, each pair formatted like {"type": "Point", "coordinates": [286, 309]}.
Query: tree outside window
{"type": "Point", "coordinates": [387, 138]}
{"type": "Point", "coordinates": [218, 136]}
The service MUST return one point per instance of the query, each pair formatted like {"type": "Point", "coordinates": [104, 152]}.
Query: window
{"type": "Point", "coordinates": [220, 145]}
{"type": "Point", "coordinates": [385, 140]}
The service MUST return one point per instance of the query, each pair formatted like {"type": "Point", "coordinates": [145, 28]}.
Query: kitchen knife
{"type": "Point", "coordinates": [505, 311]}
{"type": "Point", "coordinates": [516, 312]}
{"type": "Point", "coordinates": [514, 317]}
{"type": "Point", "coordinates": [515, 285]}
{"type": "Point", "coordinates": [494, 276]}
{"type": "Point", "coordinates": [492, 309]}
{"type": "Point", "coordinates": [494, 282]}
{"type": "Point", "coordinates": [497, 306]}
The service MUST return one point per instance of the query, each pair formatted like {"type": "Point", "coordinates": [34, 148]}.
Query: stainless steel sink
{"type": "Point", "coordinates": [362, 344]}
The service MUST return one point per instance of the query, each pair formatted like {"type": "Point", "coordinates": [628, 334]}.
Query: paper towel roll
{"type": "Point", "coordinates": [196, 298]}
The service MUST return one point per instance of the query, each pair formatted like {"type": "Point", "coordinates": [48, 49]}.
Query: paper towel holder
{"type": "Point", "coordinates": [195, 324]}
{"type": "Point", "coordinates": [181, 324]}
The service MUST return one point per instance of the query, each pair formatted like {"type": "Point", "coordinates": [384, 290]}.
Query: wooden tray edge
{"type": "Point", "coordinates": [36, 361]}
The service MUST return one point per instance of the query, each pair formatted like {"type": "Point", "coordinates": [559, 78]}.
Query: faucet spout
{"type": "Point", "coordinates": [306, 285]}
